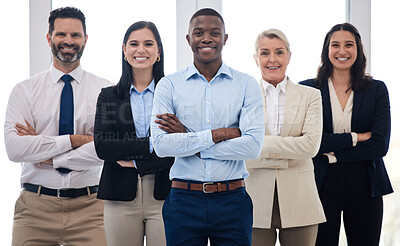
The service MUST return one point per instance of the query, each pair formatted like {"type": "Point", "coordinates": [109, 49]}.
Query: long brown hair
{"type": "Point", "coordinates": [359, 80]}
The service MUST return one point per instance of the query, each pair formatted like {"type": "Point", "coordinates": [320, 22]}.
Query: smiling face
{"type": "Point", "coordinates": [206, 38]}
{"type": "Point", "coordinates": [141, 49]}
{"type": "Point", "coordinates": [342, 50]}
{"type": "Point", "coordinates": [272, 58]}
{"type": "Point", "coordinates": [67, 42]}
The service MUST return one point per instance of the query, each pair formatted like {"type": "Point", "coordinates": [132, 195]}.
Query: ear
{"type": "Point", "coordinates": [48, 37]}
{"type": "Point", "coordinates": [124, 49]}
{"type": "Point", "coordinates": [225, 38]}
{"type": "Point", "coordinates": [188, 38]}
{"type": "Point", "coordinates": [86, 38]}
{"type": "Point", "coordinates": [255, 59]}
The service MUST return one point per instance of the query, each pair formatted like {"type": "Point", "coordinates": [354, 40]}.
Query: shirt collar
{"type": "Point", "coordinates": [223, 69]}
{"type": "Point", "coordinates": [281, 86]}
{"type": "Point", "coordinates": [150, 87]}
{"type": "Point", "coordinates": [56, 74]}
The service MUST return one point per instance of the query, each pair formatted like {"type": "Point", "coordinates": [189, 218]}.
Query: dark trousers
{"type": "Point", "coordinates": [346, 191]}
{"type": "Point", "coordinates": [193, 217]}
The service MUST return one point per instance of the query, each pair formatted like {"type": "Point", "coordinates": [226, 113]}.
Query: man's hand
{"type": "Point", "coordinates": [25, 130]}
{"type": "Point", "coordinates": [29, 131]}
{"type": "Point", "coordinates": [221, 134]}
{"type": "Point", "coordinates": [170, 123]}
{"type": "Point", "coordinates": [126, 163]}
{"type": "Point", "coordinates": [48, 162]}
{"type": "Point", "coordinates": [76, 140]}
{"type": "Point", "coordinates": [79, 140]}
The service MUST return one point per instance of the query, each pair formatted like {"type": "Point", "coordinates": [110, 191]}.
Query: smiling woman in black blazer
{"type": "Point", "coordinates": [134, 180]}
{"type": "Point", "coordinates": [349, 170]}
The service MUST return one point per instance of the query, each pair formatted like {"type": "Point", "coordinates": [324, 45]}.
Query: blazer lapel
{"type": "Point", "coordinates": [267, 131]}
{"type": "Point", "coordinates": [125, 108]}
{"type": "Point", "coordinates": [357, 101]}
{"type": "Point", "coordinates": [326, 108]}
{"type": "Point", "coordinates": [292, 105]}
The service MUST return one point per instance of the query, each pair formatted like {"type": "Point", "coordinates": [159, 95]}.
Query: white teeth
{"type": "Point", "coordinates": [206, 48]}
{"type": "Point", "coordinates": [140, 58]}
{"type": "Point", "coordinates": [68, 49]}
{"type": "Point", "coordinates": [272, 68]}
{"type": "Point", "coordinates": [343, 59]}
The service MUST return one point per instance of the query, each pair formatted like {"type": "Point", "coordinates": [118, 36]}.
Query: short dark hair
{"type": "Point", "coordinates": [206, 11]}
{"type": "Point", "coordinates": [66, 12]}
{"type": "Point", "coordinates": [158, 68]}
{"type": "Point", "coordinates": [359, 80]}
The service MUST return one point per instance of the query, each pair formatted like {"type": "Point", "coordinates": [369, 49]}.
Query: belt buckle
{"type": "Point", "coordinates": [204, 187]}
{"type": "Point", "coordinates": [58, 194]}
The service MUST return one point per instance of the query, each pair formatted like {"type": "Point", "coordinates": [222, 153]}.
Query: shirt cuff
{"type": "Point", "coordinates": [208, 142]}
{"type": "Point", "coordinates": [134, 163]}
{"type": "Point", "coordinates": [150, 146]}
{"type": "Point", "coordinates": [354, 138]}
{"type": "Point", "coordinates": [331, 157]}
{"type": "Point", "coordinates": [64, 143]}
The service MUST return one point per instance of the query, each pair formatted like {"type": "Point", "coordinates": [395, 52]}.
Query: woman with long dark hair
{"type": "Point", "coordinates": [349, 170]}
{"type": "Point", "coordinates": [134, 181]}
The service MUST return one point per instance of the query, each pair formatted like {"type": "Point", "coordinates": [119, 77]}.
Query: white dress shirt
{"type": "Point", "coordinates": [275, 102]}
{"type": "Point", "coordinates": [341, 118]}
{"type": "Point", "coordinates": [37, 101]}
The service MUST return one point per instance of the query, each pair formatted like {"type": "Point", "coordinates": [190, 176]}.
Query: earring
{"type": "Point", "coordinates": [158, 59]}
{"type": "Point", "coordinates": [126, 59]}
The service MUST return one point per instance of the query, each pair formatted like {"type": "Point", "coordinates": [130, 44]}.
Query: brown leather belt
{"type": "Point", "coordinates": [208, 187]}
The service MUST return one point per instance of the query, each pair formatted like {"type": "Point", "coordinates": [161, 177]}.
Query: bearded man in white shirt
{"type": "Point", "coordinates": [49, 130]}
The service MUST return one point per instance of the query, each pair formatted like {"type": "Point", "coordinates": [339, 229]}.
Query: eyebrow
{"type": "Point", "coordinates": [347, 41]}
{"type": "Point", "coordinates": [280, 48]}
{"type": "Point", "coordinates": [65, 33]}
{"type": "Point", "coordinates": [202, 28]}
{"type": "Point", "coordinates": [148, 40]}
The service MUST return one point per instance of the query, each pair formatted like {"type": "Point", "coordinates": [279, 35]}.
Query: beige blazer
{"type": "Point", "coordinates": [286, 161]}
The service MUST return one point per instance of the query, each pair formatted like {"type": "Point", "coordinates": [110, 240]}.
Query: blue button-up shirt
{"type": "Point", "coordinates": [141, 106]}
{"type": "Point", "coordinates": [231, 100]}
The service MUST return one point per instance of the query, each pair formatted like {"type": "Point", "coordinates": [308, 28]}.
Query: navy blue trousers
{"type": "Point", "coordinates": [192, 217]}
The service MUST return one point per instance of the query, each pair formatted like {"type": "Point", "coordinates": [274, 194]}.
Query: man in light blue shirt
{"type": "Point", "coordinates": [210, 117]}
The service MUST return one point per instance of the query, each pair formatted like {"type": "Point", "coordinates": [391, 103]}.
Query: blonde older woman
{"type": "Point", "coordinates": [281, 181]}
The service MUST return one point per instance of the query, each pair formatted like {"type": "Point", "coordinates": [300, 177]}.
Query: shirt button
{"type": "Point", "coordinates": [205, 142]}
{"type": "Point", "coordinates": [208, 121]}
{"type": "Point", "coordinates": [208, 102]}
{"type": "Point", "coordinates": [208, 85]}
{"type": "Point", "coordinates": [185, 149]}
{"type": "Point", "coordinates": [208, 173]}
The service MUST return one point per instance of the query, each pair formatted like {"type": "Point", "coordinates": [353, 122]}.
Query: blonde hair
{"type": "Point", "coordinates": [273, 33]}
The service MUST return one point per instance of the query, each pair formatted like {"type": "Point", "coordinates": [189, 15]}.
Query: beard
{"type": "Point", "coordinates": [64, 56]}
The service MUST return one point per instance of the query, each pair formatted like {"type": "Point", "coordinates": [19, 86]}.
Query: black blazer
{"type": "Point", "coordinates": [115, 139]}
{"type": "Point", "coordinates": [371, 113]}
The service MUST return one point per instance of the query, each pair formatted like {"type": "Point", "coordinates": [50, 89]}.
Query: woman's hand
{"type": "Point", "coordinates": [126, 164]}
{"type": "Point", "coordinates": [363, 136]}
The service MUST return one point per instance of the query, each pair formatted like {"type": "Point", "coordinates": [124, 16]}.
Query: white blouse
{"type": "Point", "coordinates": [341, 119]}
{"type": "Point", "coordinates": [275, 101]}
